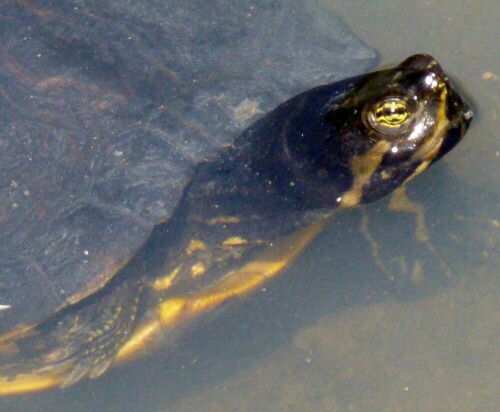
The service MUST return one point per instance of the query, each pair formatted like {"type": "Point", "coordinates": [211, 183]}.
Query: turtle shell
{"type": "Point", "coordinates": [105, 109]}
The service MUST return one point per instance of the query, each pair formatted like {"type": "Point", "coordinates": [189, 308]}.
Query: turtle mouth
{"type": "Point", "coordinates": [460, 114]}
{"type": "Point", "coordinates": [454, 114]}
{"type": "Point", "coordinates": [459, 107]}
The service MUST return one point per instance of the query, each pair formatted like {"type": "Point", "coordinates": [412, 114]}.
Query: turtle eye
{"type": "Point", "coordinates": [391, 116]}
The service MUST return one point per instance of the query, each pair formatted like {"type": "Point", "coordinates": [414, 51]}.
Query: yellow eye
{"type": "Point", "coordinates": [392, 116]}
{"type": "Point", "coordinates": [391, 113]}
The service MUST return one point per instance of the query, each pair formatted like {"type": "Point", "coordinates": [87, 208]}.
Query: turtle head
{"type": "Point", "coordinates": [374, 132]}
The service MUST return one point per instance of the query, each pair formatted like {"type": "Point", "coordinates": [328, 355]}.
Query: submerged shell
{"type": "Point", "coordinates": [106, 107]}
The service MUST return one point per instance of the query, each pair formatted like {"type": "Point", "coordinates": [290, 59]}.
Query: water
{"type": "Point", "coordinates": [337, 333]}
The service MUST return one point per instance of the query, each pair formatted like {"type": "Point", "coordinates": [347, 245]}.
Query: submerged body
{"type": "Point", "coordinates": [105, 113]}
{"type": "Point", "coordinates": [247, 213]}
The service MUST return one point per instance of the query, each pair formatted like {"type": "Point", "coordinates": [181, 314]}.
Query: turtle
{"type": "Point", "coordinates": [162, 159]}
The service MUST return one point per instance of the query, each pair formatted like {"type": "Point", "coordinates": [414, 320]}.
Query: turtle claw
{"type": "Point", "coordinates": [78, 373]}
{"type": "Point", "coordinates": [88, 367]}
{"type": "Point", "coordinates": [100, 368]}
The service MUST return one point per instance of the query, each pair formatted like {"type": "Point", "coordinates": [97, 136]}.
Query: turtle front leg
{"type": "Point", "coordinates": [78, 342]}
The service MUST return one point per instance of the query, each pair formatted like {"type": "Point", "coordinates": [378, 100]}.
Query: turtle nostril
{"type": "Point", "coordinates": [468, 114]}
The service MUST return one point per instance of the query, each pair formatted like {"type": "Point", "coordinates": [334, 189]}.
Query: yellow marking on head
{"type": "Point", "coordinates": [363, 166]}
{"type": "Point", "coordinates": [234, 241]}
{"type": "Point", "coordinates": [167, 281]}
{"type": "Point", "coordinates": [223, 219]}
{"type": "Point", "coordinates": [198, 269]}
{"type": "Point", "coordinates": [430, 147]}
{"type": "Point", "coordinates": [194, 245]}
{"type": "Point", "coordinates": [419, 169]}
